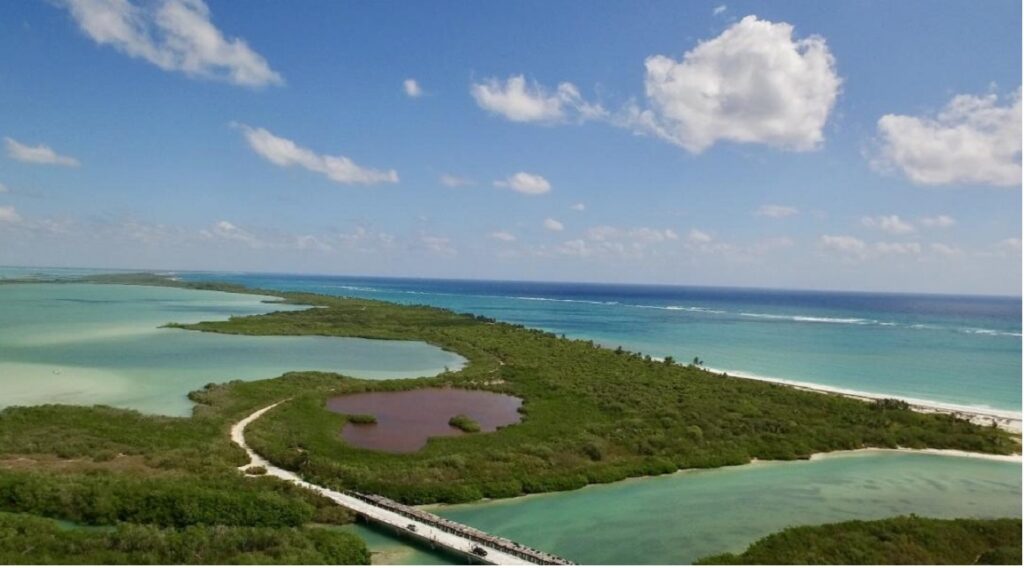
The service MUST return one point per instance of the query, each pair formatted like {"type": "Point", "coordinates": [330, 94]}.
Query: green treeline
{"type": "Point", "coordinates": [25, 539]}
{"type": "Point", "coordinates": [105, 499]}
{"type": "Point", "coordinates": [900, 540]}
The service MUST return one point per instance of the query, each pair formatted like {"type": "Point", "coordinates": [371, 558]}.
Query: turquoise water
{"type": "Point", "coordinates": [957, 350]}
{"type": "Point", "coordinates": [102, 344]}
{"type": "Point", "coordinates": [679, 518]}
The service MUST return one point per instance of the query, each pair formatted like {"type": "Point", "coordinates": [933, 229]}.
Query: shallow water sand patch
{"type": "Point", "coordinates": [407, 419]}
{"type": "Point", "coordinates": [89, 344]}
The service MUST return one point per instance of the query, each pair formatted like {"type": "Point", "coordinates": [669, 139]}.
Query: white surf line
{"type": "Point", "coordinates": [407, 525]}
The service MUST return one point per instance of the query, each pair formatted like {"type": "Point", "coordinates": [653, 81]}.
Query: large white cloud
{"type": "Point", "coordinates": [526, 183]}
{"type": "Point", "coordinates": [974, 140]}
{"type": "Point", "coordinates": [754, 83]}
{"type": "Point", "coordinates": [519, 101]}
{"type": "Point", "coordinates": [41, 154]}
{"type": "Point", "coordinates": [175, 35]}
{"type": "Point", "coordinates": [286, 153]}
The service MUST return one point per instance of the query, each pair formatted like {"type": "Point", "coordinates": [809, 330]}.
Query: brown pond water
{"type": "Point", "coordinates": [407, 419]}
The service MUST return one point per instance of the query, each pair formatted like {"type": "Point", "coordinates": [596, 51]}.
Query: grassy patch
{"type": "Point", "coordinates": [464, 423]}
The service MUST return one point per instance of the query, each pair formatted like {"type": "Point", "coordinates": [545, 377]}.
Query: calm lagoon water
{"type": "Point", "coordinates": [676, 519]}
{"type": "Point", "coordinates": [102, 344]}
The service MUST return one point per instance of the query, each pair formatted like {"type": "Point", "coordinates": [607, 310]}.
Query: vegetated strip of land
{"type": "Point", "coordinates": [899, 540]}
{"type": "Point", "coordinates": [592, 415]}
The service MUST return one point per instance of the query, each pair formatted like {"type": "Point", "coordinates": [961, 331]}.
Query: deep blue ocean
{"type": "Point", "coordinates": [962, 350]}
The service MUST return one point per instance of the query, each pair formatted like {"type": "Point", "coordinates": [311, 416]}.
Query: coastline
{"type": "Point", "coordinates": [1006, 420]}
{"type": "Point", "coordinates": [1013, 458]}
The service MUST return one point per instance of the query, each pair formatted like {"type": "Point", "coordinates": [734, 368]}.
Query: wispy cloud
{"type": "Point", "coordinates": [174, 35]}
{"type": "Point", "coordinates": [553, 225]}
{"type": "Point", "coordinates": [503, 236]}
{"type": "Point", "coordinates": [776, 211]}
{"type": "Point", "coordinates": [412, 88]}
{"type": "Point", "coordinates": [520, 101]}
{"type": "Point", "coordinates": [578, 207]}
{"type": "Point", "coordinates": [452, 180]}
{"type": "Point", "coordinates": [41, 154]}
{"type": "Point", "coordinates": [891, 224]}
{"type": "Point", "coordinates": [286, 153]}
{"type": "Point", "coordinates": [9, 215]}
{"type": "Point", "coordinates": [939, 222]}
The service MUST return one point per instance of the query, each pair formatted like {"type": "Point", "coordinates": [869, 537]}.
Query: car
{"type": "Point", "coordinates": [411, 527]}
{"type": "Point", "coordinates": [479, 551]}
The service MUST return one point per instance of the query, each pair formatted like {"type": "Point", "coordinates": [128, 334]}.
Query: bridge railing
{"type": "Point", "coordinates": [499, 543]}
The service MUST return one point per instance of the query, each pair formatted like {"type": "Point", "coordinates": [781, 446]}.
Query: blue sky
{"type": "Point", "coordinates": [855, 145]}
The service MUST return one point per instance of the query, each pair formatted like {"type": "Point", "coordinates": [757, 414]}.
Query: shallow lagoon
{"type": "Point", "coordinates": [676, 519]}
{"type": "Point", "coordinates": [103, 344]}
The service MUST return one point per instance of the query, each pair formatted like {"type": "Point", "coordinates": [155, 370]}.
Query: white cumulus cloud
{"type": "Point", "coordinates": [526, 183]}
{"type": "Point", "coordinates": [412, 88]}
{"type": "Point", "coordinates": [578, 207]}
{"type": "Point", "coordinates": [974, 140]}
{"type": "Point", "coordinates": [41, 154]}
{"type": "Point", "coordinates": [754, 83]}
{"type": "Point", "coordinates": [891, 224]}
{"type": "Point", "coordinates": [520, 101]}
{"type": "Point", "coordinates": [285, 153]}
{"type": "Point", "coordinates": [174, 35]}
{"type": "Point", "coordinates": [553, 224]}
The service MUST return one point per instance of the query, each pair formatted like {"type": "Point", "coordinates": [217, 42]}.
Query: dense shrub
{"type": "Point", "coordinates": [900, 540]}
{"type": "Point", "coordinates": [25, 539]}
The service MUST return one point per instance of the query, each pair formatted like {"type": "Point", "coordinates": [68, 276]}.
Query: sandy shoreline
{"type": "Point", "coordinates": [1014, 458]}
{"type": "Point", "coordinates": [1007, 420]}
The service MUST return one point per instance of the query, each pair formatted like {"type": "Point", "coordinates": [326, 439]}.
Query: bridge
{"type": "Point", "coordinates": [458, 539]}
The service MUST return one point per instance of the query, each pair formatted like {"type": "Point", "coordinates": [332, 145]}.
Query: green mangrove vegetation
{"type": "Point", "coordinates": [25, 539]}
{"type": "Point", "coordinates": [900, 540]}
{"type": "Point", "coordinates": [464, 423]}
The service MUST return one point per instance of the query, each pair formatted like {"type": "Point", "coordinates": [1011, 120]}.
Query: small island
{"type": "Point", "coordinates": [464, 423]}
